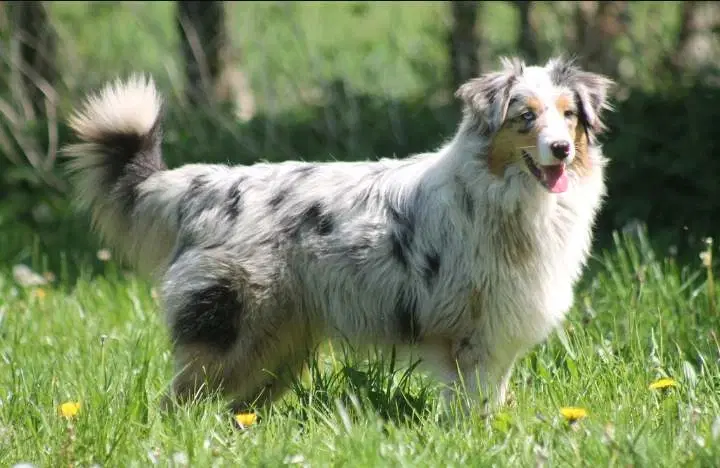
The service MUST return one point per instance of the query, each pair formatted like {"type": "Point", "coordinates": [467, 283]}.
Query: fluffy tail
{"type": "Point", "coordinates": [120, 134]}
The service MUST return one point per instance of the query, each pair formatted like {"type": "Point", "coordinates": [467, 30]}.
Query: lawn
{"type": "Point", "coordinates": [99, 341]}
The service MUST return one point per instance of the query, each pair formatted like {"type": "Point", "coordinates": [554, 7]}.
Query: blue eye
{"type": "Point", "coordinates": [528, 116]}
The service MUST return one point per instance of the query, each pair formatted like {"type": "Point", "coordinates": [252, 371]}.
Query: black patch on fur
{"type": "Point", "coordinates": [271, 241]}
{"type": "Point", "coordinates": [183, 243]}
{"type": "Point", "coordinates": [313, 217]}
{"type": "Point", "coordinates": [466, 199]}
{"type": "Point", "coordinates": [431, 267]}
{"type": "Point", "coordinates": [323, 221]}
{"type": "Point", "coordinates": [406, 315]}
{"type": "Point", "coordinates": [279, 198]}
{"type": "Point", "coordinates": [564, 72]}
{"type": "Point", "coordinates": [210, 318]}
{"type": "Point", "coordinates": [299, 173]}
{"type": "Point", "coordinates": [584, 120]}
{"type": "Point", "coordinates": [305, 171]}
{"type": "Point", "coordinates": [216, 245]}
{"type": "Point", "coordinates": [402, 237]}
{"type": "Point", "coordinates": [234, 199]}
{"type": "Point", "coordinates": [197, 185]}
{"type": "Point", "coordinates": [187, 239]}
{"type": "Point", "coordinates": [358, 250]}
{"type": "Point", "coordinates": [130, 159]}
{"type": "Point", "coordinates": [191, 195]}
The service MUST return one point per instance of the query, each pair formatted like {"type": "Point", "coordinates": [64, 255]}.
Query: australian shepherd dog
{"type": "Point", "coordinates": [467, 256]}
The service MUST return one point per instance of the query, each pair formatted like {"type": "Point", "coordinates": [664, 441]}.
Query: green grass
{"type": "Point", "coordinates": [96, 335]}
{"type": "Point", "coordinates": [100, 340]}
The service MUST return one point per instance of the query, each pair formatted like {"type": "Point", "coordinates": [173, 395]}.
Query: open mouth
{"type": "Point", "coordinates": [553, 178]}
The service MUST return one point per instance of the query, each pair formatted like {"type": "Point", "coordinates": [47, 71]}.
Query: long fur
{"type": "Point", "coordinates": [466, 261]}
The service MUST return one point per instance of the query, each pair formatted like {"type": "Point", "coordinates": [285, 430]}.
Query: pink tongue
{"type": "Point", "coordinates": [556, 178]}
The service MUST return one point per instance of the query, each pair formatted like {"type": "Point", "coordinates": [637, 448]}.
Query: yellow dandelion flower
{"type": "Point", "coordinates": [663, 384]}
{"type": "Point", "coordinates": [245, 419]}
{"type": "Point", "coordinates": [39, 293]}
{"type": "Point", "coordinates": [572, 414]}
{"type": "Point", "coordinates": [69, 409]}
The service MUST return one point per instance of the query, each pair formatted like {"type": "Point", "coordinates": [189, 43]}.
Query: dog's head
{"type": "Point", "coordinates": [541, 120]}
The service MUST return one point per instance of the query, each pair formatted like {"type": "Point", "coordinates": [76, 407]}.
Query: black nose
{"type": "Point", "coordinates": [560, 149]}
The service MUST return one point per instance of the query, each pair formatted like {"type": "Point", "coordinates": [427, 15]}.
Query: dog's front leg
{"type": "Point", "coordinates": [481, 375]}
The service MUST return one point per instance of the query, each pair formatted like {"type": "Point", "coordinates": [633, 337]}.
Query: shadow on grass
{"type": "Point", "coordinates": [379, 385]}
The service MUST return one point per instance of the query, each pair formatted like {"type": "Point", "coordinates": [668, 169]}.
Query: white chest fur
{"type": "Point", "coordinates": [530, 259]}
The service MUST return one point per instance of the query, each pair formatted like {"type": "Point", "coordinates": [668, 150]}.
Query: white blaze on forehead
{"type": "Point", "coordinates": [536, 82]}
{"type": "Point", "coordinates": [538, 79]}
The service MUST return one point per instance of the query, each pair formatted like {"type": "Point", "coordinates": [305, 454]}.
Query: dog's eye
{"type": "Point", "coordinates": [569, 113]}
{"type": "Point", "coordinates": [528, 116]}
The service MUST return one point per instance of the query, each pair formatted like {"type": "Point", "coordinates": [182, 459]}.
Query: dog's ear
{"type": "Point", "coordinates": [485, 99]}
{"type": "Point", "coordinates": [590, 89]}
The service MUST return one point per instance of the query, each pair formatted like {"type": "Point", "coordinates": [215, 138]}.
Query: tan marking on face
{"type": "Point", "coordinates": [534, 104]}
{"type": "Point", "coordinates": [563, 103]}
{"type": "Point", "coordinates": [507, 145]}
{"type": "Point", "coordinates": [581, 164]}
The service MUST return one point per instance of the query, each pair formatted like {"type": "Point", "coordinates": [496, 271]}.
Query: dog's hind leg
{"type": "Point", "coordinates": [244, 342]}
{"type": "Point", "coordinates": [255, 372]}
{"type": "Point", "coordinates": [198, 373]}
{"type": "Point", "coordinates": [207, 310]}
{"type": "Point", "coordinates": [276, 378]}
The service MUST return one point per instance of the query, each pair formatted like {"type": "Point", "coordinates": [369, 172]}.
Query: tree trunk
{"type": "Point", "coordinates": [527, 42]}
{"type": "Point", "coordinates": [463, 42]}
{"type": "Point", "coordinates": [599, 25]}
{"type": "Point", "coordinates": [201, 26]}
{"type": "Point", "coordinates": [233, 85]}
{"type": "Point", "coordinates": [33, 61]}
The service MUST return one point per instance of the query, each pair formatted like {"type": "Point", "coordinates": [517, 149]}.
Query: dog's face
{"type": "Point", "coordinates": [539, 120]}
